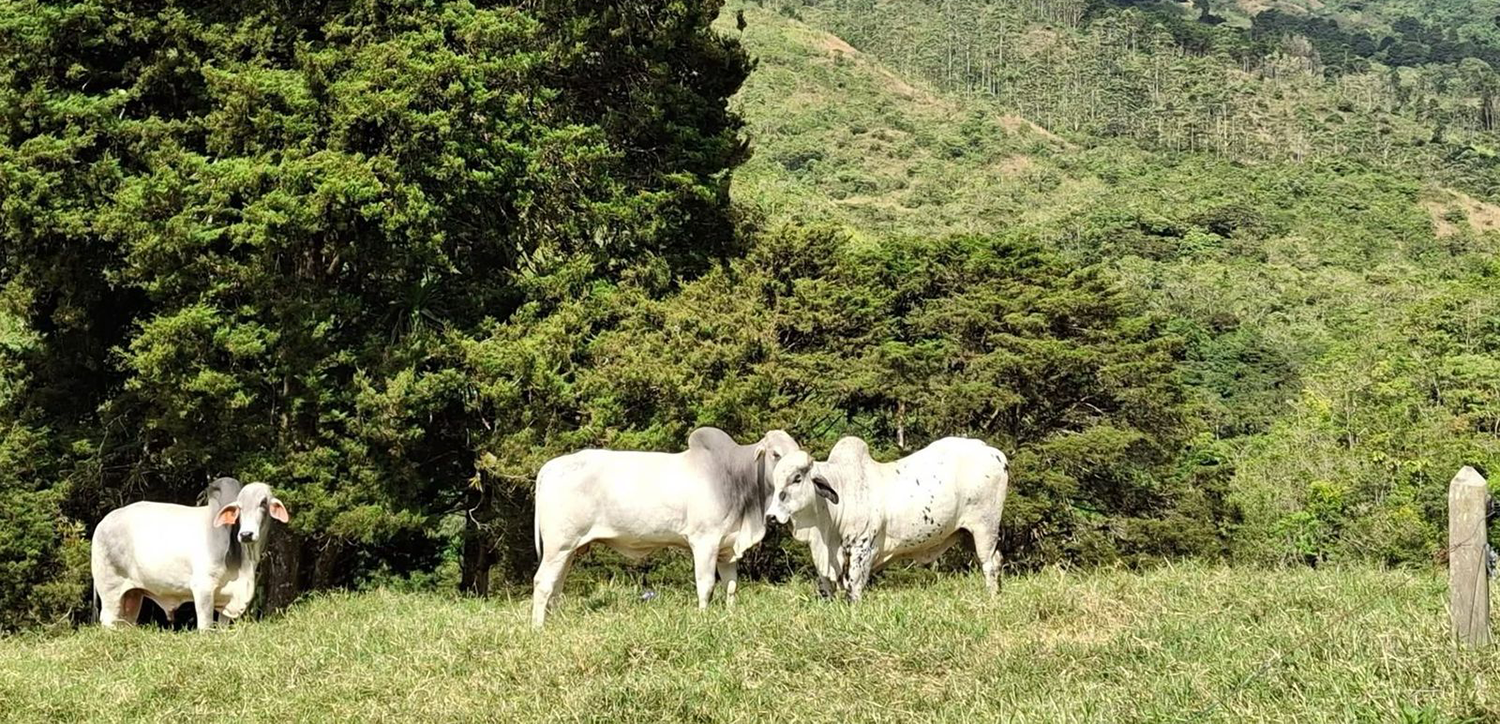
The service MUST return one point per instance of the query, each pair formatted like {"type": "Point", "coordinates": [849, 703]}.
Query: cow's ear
{"type": "Point", "coordinates": [760, 452]}
{"type": "Point", "coordinates": [228, 515]}
{"type": "Point", "coordinates": [278, 511]}
{"type": "Point", "coordinates": [821, 487]}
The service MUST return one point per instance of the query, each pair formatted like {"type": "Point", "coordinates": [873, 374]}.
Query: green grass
{"type": "Point", "coordinates": [1342, 645]}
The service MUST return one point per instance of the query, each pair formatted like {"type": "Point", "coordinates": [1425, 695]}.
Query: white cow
{"type": "Point", "coordinates": [710, 499]}
{"type": "Point", "coordinates": [858, 515]}
{"type": "Point", "coordinates": [173, 554]}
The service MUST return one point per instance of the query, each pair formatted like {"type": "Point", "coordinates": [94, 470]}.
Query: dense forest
{"type": "Point", "coordinates": [1221, 279]}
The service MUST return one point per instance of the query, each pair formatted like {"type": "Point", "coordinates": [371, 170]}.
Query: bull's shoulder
{"type": "Point", "coordinates": [713, 452]}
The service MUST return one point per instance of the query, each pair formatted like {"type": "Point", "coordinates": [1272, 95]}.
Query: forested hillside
{"type": "Point", "coordinates": [1221, 278]}
{"type": "Point", "coordinates": [1317, 239]}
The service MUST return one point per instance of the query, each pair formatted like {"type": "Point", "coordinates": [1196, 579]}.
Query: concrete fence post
{"type": "Point", "coordinates": [1468, 579]}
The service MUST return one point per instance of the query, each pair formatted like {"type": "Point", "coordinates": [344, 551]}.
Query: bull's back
{"type": "Point", "coordinates": [982, 472]}
{"type": "Point", "coordinates": [948, 477]}
{"type": "Point", "coordinates": [602, 494]}
{"type": "Point", "coordinates": [150, 545]}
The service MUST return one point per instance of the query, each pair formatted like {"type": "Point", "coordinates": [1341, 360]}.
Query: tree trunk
{"type": "Point", "coordinates": [515, 536]}
{"type": "Point", "coordinates": [280, 572]}
{"type": "Point", "coordinates": [901, 425]}
{"type": "Point", "coordinates": [324, 565]}
{"type": "Point", "coordinates": [478, 548]}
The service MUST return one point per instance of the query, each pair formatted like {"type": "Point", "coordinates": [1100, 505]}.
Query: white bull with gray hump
{"type": "Point", "coordinates": [859, 515]}
{"type": "Point", "coordinates": [173, 554]}
{"type": "Point", "coordinates": [710, 499]}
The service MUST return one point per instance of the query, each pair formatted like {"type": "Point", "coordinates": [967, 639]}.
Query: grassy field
{"type": "Point", "coordinates": [1174, 644]}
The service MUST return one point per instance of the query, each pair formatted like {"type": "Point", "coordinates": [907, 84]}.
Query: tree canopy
{"type": "Point", "coordinates": [254, 239]}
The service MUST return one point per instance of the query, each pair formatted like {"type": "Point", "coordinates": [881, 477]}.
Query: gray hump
{"type": "Point", "coordinates": [710, 438]}
{"type": "Point", "coordinates": [226, 544]}
{"type": "Point", "coordinates": [222, 492]}
{"type": "Point", "coordinates": [740, 485]}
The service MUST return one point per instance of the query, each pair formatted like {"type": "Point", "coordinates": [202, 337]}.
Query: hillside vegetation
{"type": "Point", "coordinates": [1334, 299]}
{"type": "Point", "coordinates": [1187, 644]}
{"type": "Point", "coordinates": [1222, 290]}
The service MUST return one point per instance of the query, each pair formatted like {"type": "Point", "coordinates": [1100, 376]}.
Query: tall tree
{"type": "Point", "coordinates": [277, 225]}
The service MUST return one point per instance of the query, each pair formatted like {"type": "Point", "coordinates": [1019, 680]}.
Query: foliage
{"type": "Point", "coordinates": [254, 239]}
{"type": "Point", "coordinates": [1299, 287]}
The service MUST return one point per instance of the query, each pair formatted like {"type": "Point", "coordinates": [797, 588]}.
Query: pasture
{"type": "Point", "coordinates": [1174, 644]}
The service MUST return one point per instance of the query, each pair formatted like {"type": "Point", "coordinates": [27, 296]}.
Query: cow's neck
{"type": "Point", "coordinates": [859, 488]}
{"type": "Point", "coordinates": [238, 581]}
{"type": "Point", "coordinates": [758, 476]}
{"type": "Point", "coordinates": [241, 558]}
{"type": "Point", "coordinates": [752, 524]}
{"type": "Point", "coordinates": [751, 530]}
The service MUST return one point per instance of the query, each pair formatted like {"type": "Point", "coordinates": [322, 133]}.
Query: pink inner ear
{"type": "Point", "coordinates": [228, 515]}
{"type": "Point", "coordinates": [278, 511]}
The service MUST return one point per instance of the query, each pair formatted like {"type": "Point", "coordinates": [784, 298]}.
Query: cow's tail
{"type": "Point", "coordinates": [1004, 461]}
{"type": "Point", "coordinates": [98, 603]}
{"type": "Point", "coordinates": [536, 512]}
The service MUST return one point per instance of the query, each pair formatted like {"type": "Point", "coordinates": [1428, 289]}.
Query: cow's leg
{"type": "Point", "coordinates": [109, 610]}
{"type": "Point", "coordinates": [549, 575]}
{"type": "Point", "coordinates": [203, 604]}
{"type": "Point", "coordinates": [825, 564]}
{"type": "Point", "coordinates": [987, 549]}
{"type": "Point", "coordinates": [861, 560]}
{"type": "Point", "coordinates": [827, 574]}
{"type": "Point", "coordinates": [116, 607]}
{"type": "Point", "coordinates": [705, 560]}
{"type": "Point", "coordinates": [729, 572]}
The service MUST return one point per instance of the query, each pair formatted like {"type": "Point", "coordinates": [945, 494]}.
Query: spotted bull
{"type": "Point", "coordinates": [858, 515]}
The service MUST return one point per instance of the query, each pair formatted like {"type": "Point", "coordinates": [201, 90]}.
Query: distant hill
{"type": "Point", "coordinates": [1321, 230]}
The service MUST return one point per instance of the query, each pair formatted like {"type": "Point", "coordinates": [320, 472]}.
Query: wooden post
{"type": "Point", "coordinates": [1468, 579]}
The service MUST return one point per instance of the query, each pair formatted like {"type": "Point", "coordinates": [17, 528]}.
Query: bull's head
{"type": "Point", "coordinates": [796, 484]}
{"type": "Point", "coordinates": [253, 509]}
{"type": "Point", "coordinates": [776, 445]}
